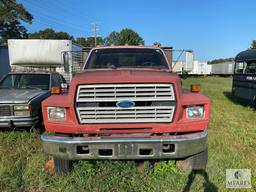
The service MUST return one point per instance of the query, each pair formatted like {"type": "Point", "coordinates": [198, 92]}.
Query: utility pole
{"type": "Point", "coordinates": [94, 25]}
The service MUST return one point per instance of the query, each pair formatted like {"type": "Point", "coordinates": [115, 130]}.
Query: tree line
{"type": "Point", "coordinates": [12, 13]}
{"type": "Point", "coordinates": [231, 59]}
{"type": "Point", "coordinates": [125, 36]}
{"type": "Point", "coordinates": [221, 60]}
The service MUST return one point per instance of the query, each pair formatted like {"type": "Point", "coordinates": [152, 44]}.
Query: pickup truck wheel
{"type": "Point", "coordinates": [62, 166]}
{"type": "Point", "coordinates": [195, 162]}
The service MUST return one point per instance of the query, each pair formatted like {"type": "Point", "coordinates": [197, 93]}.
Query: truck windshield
{"type": "Point", "coordinates": [126, 58]}
{"type": "Point", "coordinates": [246, 67]}
{"type": "Point", "coordinates": [26, 81]}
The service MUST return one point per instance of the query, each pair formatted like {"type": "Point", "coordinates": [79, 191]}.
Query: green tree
{"type": "Point", "coordinates": [88, 42]}
{"type": "Point", "coordinates": [253, 45]}
{"type": "Point", "coordinates": [81, 41]}
{"type": "Point", "coordinates": [49, 34]}
{"type": "Point", "coordinates": [125, 36]}
{"type": "Point", "coordinates": [11, 14]}
{"type": "Point", "coordinates": [221, 60]}
{"type": "Point", "coordinates": [112, 39]}
{"type": "Point", "coordinates": [130, 37]}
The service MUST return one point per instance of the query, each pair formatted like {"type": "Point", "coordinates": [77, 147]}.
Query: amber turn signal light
{"type": "Point", "coordinates": [56, 90]}
{"type": "Point", "coordinates": [196, 88]}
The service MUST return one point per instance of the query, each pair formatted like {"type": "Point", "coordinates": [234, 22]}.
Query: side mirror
{"type": "Point", "coordinates": [64, 87]}
{"type": "Point", "coordinates": [66, 62]}
{"type": "Point", "coordinates": [184, 74]}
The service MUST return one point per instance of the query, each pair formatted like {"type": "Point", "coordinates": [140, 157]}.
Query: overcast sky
{"type": "Point", "coordinates": [212, 28]}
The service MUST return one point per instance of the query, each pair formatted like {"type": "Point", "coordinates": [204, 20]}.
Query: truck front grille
{"type": "Point", "coordinates": [117, 92]}
{"type": "Point", "coordinates": [98, 103]}
{"type": "Point", "coordinates": [5, 110]}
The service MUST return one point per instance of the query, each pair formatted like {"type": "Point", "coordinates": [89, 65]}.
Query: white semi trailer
{"type": "Point", "coordinates": [225, 68]}
{"type": "Point", "coordinates": [197, 68]}
{"type": "Point", "coordinates": [201, 68]}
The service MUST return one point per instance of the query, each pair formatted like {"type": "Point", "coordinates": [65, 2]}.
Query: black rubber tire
{"type": "Point", "coordinates": [195, 162]}
{"type": "Point", "coordinates": [62, 166]}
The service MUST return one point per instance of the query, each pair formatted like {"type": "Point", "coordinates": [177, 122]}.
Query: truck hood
{"type": "Point", "coordinates": [124, 76]}
{"type": "Point", "coordinates": [19, 95]}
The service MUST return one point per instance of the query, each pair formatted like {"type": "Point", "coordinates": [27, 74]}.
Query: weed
{"type": "Point", "coordinates": [232, 142]}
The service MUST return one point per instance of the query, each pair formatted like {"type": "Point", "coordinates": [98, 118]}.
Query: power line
{"type": "Point", "coordinates": [46, 18]}
{"type": "Point", "coordinates": [48, 25]}
{"type": "Point", "coordinates": [65, 7]}
{"type": "Point", "coordinates": [43, 16]}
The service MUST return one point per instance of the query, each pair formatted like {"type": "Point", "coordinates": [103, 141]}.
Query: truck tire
{"type": "Point", "coordinates": [195, 162]}
{"type": "Point", "coordinates": [62, 166]}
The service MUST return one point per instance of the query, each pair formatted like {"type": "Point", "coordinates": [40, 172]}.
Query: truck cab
{"type": "Point", "coordinates": [126, 104]}
{"type": "Point", "coordinates": [244, 78]}
{"type": "Point", "coordinates": [21, 94]}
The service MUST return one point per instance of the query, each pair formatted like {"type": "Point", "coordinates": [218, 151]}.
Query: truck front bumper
{"type": "Point", "coordinates": [159, 147]}
{"type": "Point", "coordinates": [18, 122]}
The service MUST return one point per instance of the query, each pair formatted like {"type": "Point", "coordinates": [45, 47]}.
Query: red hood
{"type": "Point", "coordinates": [104, 76]}
{"type": "Point", "coordinates": [124, 76]}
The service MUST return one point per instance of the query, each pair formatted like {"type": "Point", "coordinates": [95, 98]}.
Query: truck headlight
{"type": "Point", "coordinates": [22, 110]}
{"type": "Point", "coordinates": [56, 113]}
{"type": "Point", "coordinates": [21, 107]}
{"type": "Point", "coordinates": [195, 112]}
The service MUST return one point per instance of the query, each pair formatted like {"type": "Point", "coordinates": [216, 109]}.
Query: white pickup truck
{"type": "Point", "coordinates": [35, 65]}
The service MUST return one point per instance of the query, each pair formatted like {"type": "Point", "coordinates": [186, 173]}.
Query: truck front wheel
{"type": "Point", "coordinates": [62, 166]}
{"type": "Point", "coordinates": [195, 162]}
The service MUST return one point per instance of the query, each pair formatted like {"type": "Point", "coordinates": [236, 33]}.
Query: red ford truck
{"type": "Point", "coordinates": [126, 104]}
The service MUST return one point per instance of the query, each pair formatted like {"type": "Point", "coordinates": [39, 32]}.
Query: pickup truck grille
{"type": "Point", "coordinates": [153, 103]}
{"type": "Point", "coordinates": [5, 110]}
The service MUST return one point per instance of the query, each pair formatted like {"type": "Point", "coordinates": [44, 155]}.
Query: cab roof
{"type": "Point", "coordinates": [131, 46]}
{"type": "Point", "coordinates": [247, 55]}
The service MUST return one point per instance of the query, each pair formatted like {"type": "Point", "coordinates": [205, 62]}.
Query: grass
{"type": "Point", "coordinates": [232, 144]}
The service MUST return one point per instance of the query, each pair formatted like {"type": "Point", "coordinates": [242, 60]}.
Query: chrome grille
{"type": "Point", "coordinates": [117, 115]}
{"type": "Point", "coordinates": [135, 92]}
{"type": "Point", "coordinates": [158, 103]}
{"type": "Point", "coordinates": [5, 110]}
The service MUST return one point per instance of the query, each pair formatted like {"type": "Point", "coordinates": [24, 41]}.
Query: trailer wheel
{"type": "Point", "coordinates": [195, 162]}
{"type": "Point", "coordinates": [62, 166]}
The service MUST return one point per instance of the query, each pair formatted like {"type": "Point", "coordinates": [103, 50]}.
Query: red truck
{"type": "Point", "coordinates": [126, 104]}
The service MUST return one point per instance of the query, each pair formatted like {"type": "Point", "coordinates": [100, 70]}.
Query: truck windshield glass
{"type": "Point", "coordinates": [127, 58]}
{"type": "Point", "coordinates": [246, 67]}
{"type": "Point", "coordinates": [26, 81]}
